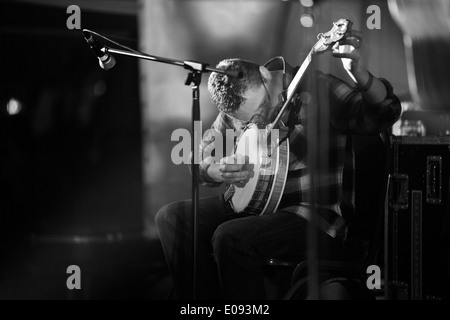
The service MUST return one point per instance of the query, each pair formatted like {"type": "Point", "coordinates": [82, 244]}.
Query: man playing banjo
{"type": "Point", "coordinates": [232, 245]}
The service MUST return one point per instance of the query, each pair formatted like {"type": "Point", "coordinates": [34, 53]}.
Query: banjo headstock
{"type": "Point", "coordinates": [328, 39]}
{"type": "Point", "coordinates": [341, 29]}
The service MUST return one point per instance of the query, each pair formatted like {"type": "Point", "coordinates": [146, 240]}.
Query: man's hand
{"type": "Point", "coordinates": [229, 170]}
{"type": "Point", "coordinates": [348, 51]}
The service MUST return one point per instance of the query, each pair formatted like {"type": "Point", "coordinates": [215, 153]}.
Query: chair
{"type": "Point", "coordinates": [342, 274]}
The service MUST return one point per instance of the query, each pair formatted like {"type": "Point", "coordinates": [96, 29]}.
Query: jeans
{"type": "Point", "coordinates": [231, 247]}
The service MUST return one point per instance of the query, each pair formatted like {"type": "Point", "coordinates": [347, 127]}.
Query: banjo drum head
{"type": "Point", "coordinates": [252, 145]}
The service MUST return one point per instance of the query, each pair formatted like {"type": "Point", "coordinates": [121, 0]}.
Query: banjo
{"type": "Point", "coordinates": [267, 154]}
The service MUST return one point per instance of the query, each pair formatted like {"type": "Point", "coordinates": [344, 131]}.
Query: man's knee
{"type": "Point", "coordinates": [224, 238]}
{"type": "Point", "coordinates": [170, 214]}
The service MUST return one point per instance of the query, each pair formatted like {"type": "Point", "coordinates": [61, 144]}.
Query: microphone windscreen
{"type": "Point", "coordinates": [107, 63]}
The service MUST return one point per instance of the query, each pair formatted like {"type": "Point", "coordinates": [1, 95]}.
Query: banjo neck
{"type": "Point", "coordinates": [291, 89]}
{"type": "Point", "coordinates": [325, 41]}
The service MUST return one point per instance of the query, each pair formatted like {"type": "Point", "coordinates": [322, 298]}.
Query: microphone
{"type": "Point", "coordinates": [105, 60]}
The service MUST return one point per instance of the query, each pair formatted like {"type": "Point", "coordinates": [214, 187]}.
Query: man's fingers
{"type": "Point", "coordinates": [230, 170]}
{"type": "Point", "coordinates": [233, 163]}
{"type": "Point", "coordinates": [352, 41]}
{"type": "Point", "coordinates": [230, 167]}
{"type": "Point", "coordinates": [353, 37]}
{"type": "Point", "coordinates": [234, 159]}
{"type": "Point", "coordinates": [345, 51]}
{"type": "Point", "coordinates": [355, 34]}
{"type": "Point", "coordinates": [344, 55]}
{"type": "Point", "coordinates": [235, 176]}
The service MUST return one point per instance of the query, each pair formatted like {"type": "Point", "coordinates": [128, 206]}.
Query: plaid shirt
{"type": "Point", "coordinates": [349, 114]}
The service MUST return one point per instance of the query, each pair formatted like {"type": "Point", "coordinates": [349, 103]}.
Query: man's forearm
{"type": "Point", "coordinates": [376, 92]}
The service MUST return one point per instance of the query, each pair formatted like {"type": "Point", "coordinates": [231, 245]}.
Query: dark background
{"type": "Point", "coordinates": [70, 160]}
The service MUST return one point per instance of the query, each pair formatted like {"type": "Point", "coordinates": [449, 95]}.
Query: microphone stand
{"type": "Point", "coordinates": [196, 69]}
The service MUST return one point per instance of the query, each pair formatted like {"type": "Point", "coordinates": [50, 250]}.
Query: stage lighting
{"type": "Point", "coordinates": [307, 3]}
{"type": "Point", "coordinates": [13, 107]}
{"type": "Point", "coordinates": [307, 20]}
